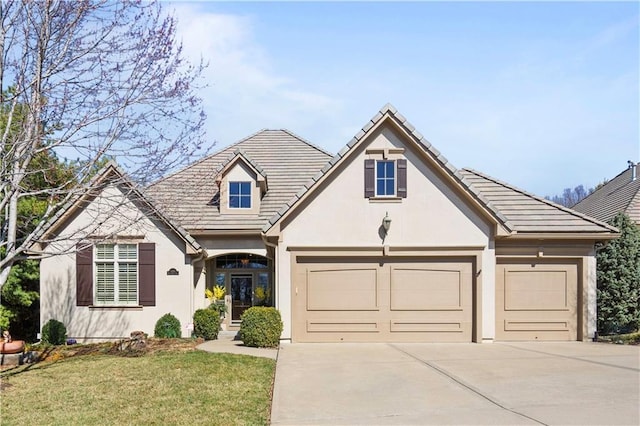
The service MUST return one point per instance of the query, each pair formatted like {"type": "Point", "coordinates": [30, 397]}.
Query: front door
{"type": "Point", "coordinates": [241, 293]}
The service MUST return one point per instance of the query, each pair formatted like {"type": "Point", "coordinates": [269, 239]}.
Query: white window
{"type": "Point", "coordinates": [240, 195]}
{"type": "Point", "coordinates": [385, 178]}
{"type": "Point", "coordinates": [116, 276]}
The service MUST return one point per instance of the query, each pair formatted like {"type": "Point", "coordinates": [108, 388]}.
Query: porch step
{"type": "Point", "coordinates": [228, 335]}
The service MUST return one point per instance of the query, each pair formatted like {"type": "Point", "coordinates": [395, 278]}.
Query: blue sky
{"type": "Point", "coordinates": [541, 95]}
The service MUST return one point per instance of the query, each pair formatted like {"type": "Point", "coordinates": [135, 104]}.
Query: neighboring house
{"type": "Point", "coordinates": [384, 242]}
{"type": "Point", "coordinates": [619, 195]}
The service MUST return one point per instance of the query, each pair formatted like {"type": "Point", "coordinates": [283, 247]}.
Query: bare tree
{"type": "Point", "coordinates": [571, 197]}
{"type": "Point", "coordinates": [89, 79]}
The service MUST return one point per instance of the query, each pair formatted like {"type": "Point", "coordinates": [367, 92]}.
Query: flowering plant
{"type": "Point", "coordinates": [216, 294]}
{"type": "Point", "coordinates": [216, 297]}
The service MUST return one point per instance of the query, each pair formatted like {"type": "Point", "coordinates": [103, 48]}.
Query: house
{"type": "Point", "coordinates": [619, 195]}
{"type": "Point", "coordinates": [384, 242]}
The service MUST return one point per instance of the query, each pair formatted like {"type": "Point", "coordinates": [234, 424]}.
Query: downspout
{"type": "Point", "coordinates": [202, 254]}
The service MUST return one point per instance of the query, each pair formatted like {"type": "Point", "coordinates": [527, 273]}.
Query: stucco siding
{"type": "Point", "coordinates": [58, 278]}
{"type": "Point", "coordinates": [432, 214]}
{"type": "Point", "coordinates": [283, 289]}
{"type": "Point", "coordinates": [337, 217]}
{"type": "Point", "coordinates": [487, 280]}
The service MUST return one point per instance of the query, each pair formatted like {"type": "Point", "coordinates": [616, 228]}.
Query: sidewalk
{"type": "Point", "coordinates": [227, 343]}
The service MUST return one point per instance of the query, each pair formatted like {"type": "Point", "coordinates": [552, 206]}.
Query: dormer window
{"type": "Point", "coordinates": [240, 195]}
{"type": "Point", "coordinates": [241, 184]}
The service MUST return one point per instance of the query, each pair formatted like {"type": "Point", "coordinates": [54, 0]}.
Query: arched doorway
{"type": "Point", "coordinates": [247, 279]}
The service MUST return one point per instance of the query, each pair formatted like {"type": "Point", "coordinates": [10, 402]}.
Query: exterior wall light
{"type": "Point", "coordinates": [386, 223]}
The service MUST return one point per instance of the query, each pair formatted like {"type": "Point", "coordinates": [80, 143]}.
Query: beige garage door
{"type": "Point", "coordinates": [536, 300]}
{"type": "Point", "coordinates": [373, 300]}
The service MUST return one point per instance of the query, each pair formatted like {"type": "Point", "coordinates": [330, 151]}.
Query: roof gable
{"type": "Point", "coordinates": [112, 173]}
{"type": "Point", "coordinates": [388, 115]}
{"type": "Point", "coordinates": [511, 210]}
{"type": "Point", "coordinates": [239, 156]}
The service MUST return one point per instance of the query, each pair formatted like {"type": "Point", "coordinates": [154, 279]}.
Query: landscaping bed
{"type": "Point", "coordinates": [622, 339]}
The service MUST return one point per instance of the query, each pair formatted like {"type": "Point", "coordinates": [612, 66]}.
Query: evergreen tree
{"type": "Point", "coordinates": [618, 275]}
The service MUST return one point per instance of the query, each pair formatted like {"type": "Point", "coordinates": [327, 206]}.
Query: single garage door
{"type": "Point", "coordinates": [536, 300]}
{"type": "Point", "coordinates": [375, 300]}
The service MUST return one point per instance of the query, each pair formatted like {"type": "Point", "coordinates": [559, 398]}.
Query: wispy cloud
{"type": "Point", "coordinates": [245, 91]}
{"type": "Point", "coordinates": [542, 108]}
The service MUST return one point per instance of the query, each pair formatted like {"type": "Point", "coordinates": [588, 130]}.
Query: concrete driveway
{"type": "Point", "coordinates": [499, 383]}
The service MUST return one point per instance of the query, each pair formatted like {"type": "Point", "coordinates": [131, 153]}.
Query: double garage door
{"type": "Point", "coordinates": [375, 300]}
{"type": "Point", "coordinates": [344, 299]}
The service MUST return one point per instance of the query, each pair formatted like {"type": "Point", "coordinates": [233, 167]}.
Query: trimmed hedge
{"type": "Point", "coordinates": [261, 327]}
{"type": "Point", "coordinates": [54, 332]}
{"type": "Point", "coordinates": [168, 326]}
{"type": "Point", "coordinates": [206, 323]}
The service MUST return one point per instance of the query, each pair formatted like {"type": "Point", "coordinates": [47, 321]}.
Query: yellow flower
{"type": "Point", "coordinates": [218, 292]}
{"type": "Point", "coordinates": [209, 295]}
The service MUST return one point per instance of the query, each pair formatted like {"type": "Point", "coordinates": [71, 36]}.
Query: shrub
{"type": "Point", "coordinates": [167, 326]}
{"type": "Point", "coordinates": [206, 323]}
{"type": "Point", "coordinates": [54, 332]}
{"type": "Point", "coordinates": [219, 308]}
{"type": "Point", "coordinates": [618, 275]}
{"type": "Point", "coordinates": [261, 327]}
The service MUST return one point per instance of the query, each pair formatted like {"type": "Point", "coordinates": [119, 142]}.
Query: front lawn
{"type": "Point", "coordinates": [172, 387]}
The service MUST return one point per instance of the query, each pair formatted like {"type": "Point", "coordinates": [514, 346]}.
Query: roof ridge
{"type": "Point", "coordinates": [251, 161]}
{"type": "Point", "coordinates": [389, 110]}
{"type": "Point", "coordinates": [238, 152]}
{"type": "Point", "coordinates": [301, 139]}
{"type": "Point", "coordinates": [207, 157]}
{"type": "Point", "coordinates": [540, 199]}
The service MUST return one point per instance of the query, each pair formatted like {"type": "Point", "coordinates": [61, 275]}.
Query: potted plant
{"type": "Point", "coordinates": [216, 297]}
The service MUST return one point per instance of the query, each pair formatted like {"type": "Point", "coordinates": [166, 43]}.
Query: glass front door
{"type": "Point", "coordinates": [241, 293]}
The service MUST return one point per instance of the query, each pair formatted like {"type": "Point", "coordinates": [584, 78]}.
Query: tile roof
{"type": "Point", "coordinates": [620, 194]}
{"type": "Point", "coordinates": [190, 196]}
{"type": "Point", "coordinates": [112, 172]}
{"type": "Point", "coordinates": [526, 212]}
{"type": "Point", "coordinates": [240, 153]}
{"type": "Point", "coordinates": [512, 208]}
{"type": "Point", "coordinates": [386, 111]}
{"type": "Point", "coordinates": [294, 166]}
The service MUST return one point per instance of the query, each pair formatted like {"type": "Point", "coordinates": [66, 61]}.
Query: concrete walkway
{"type": "Point", "coordinates": [416, 384]}
{"type": "Point", "coordinates": [227, 342]}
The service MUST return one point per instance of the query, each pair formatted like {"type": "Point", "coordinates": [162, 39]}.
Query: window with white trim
{"type": "Point", "coordinates": [116, 274]}
{"type": "Point", "coordinates": [385, 178]}
{"type": "Point", "coordinates": [240, 195]}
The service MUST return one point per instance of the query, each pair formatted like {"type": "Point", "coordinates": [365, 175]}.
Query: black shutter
{"type": "Point", "coordinates": [147, 275]}
{"type": "Point", "coordinates": [402, 178]}
{"type": "Point", "coordinates": [84, 275]}
{"type": "Point", "coordinates": [369, 178]}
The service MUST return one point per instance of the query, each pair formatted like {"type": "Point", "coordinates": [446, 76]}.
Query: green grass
{"type": "Point", "coordinates": [164, 388]}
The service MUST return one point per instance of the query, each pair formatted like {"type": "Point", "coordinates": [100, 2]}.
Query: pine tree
{"type": "Point", "coordinates": [618, 276]}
